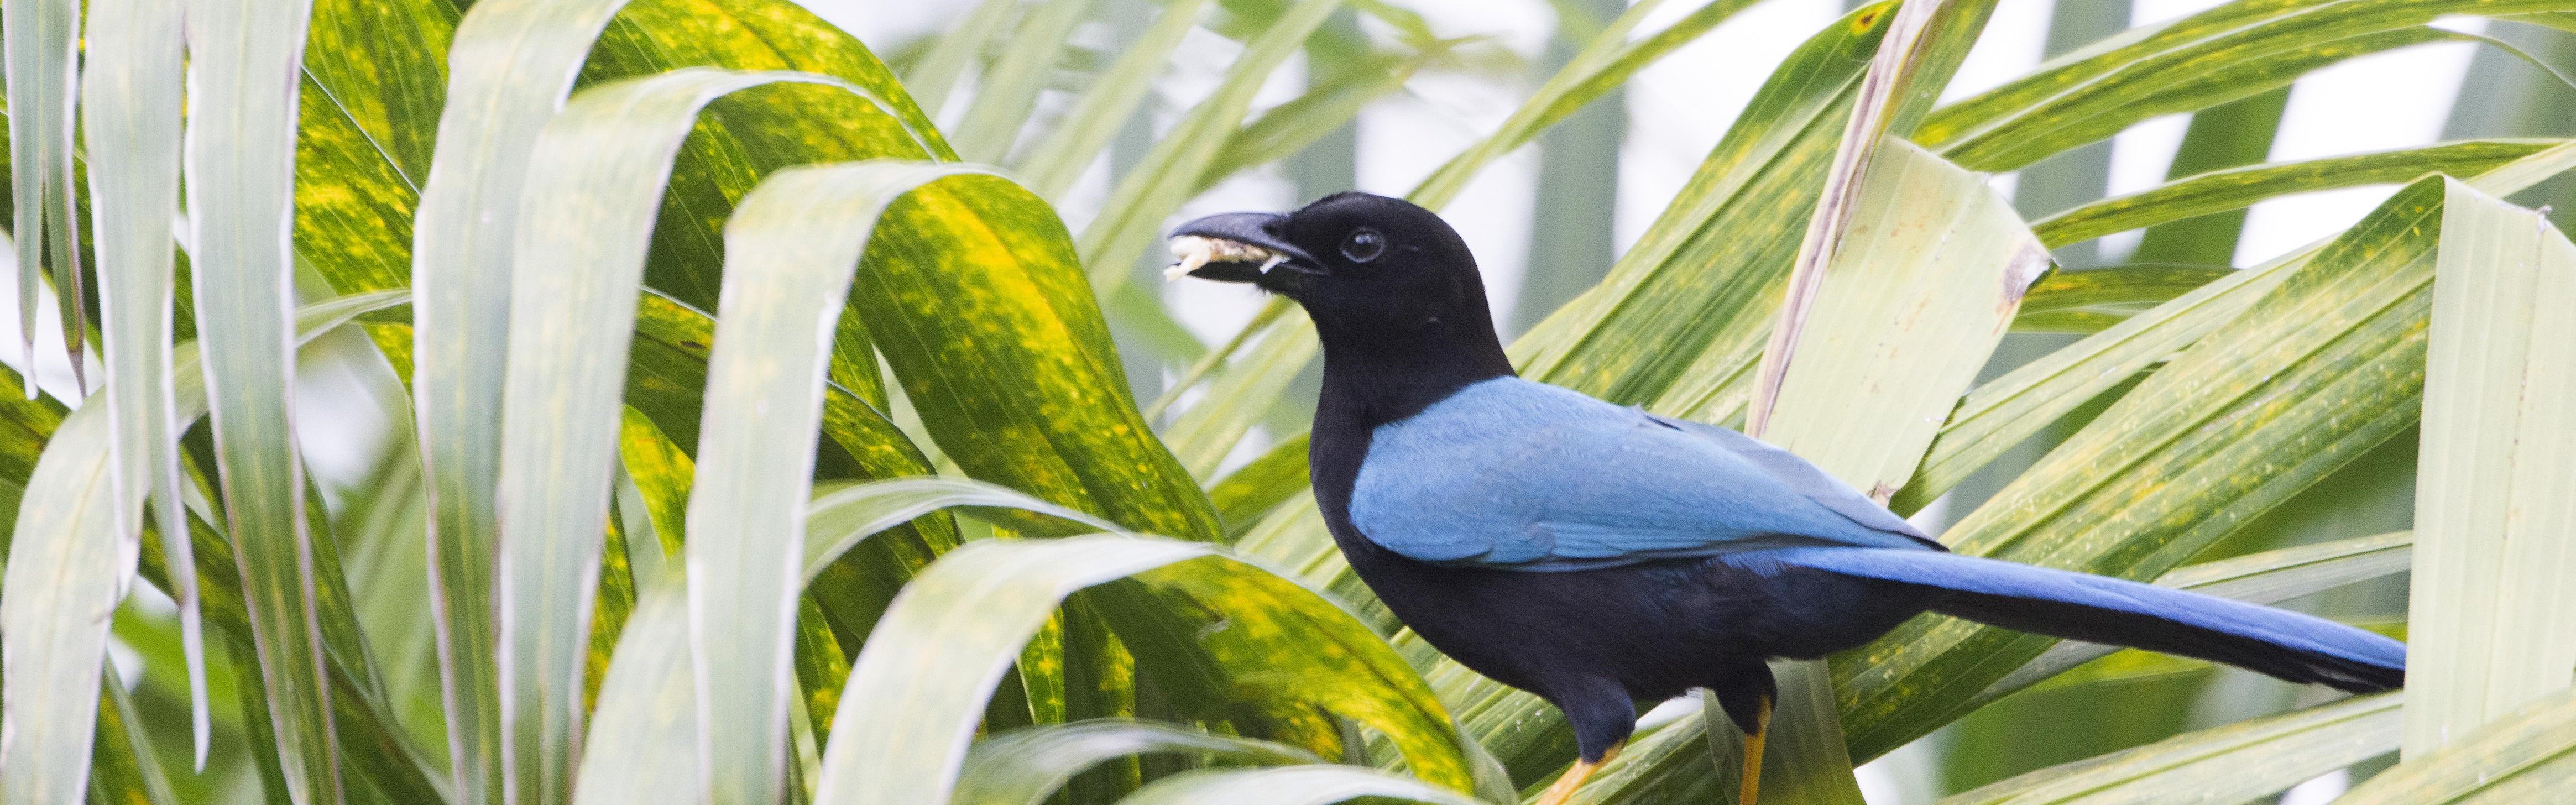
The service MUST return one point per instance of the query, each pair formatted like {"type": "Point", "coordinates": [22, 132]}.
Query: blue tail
{"type": "Point", "coordinates": [2099, 609]}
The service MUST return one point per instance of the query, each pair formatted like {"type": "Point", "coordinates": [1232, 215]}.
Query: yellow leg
{"type": "Point", "coordinates": [1753, 753]}
{"type": "Point", "coordinates": [1574, 777]}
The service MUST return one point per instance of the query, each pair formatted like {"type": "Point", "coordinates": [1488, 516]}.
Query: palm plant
{"type": "Point", "coordinates": [750, 445]}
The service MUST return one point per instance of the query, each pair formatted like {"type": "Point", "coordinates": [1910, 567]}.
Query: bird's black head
{"type": "Point", "coordinates": [1356, 261]}
{"type": "Point", "coordinates": [1392, 289]}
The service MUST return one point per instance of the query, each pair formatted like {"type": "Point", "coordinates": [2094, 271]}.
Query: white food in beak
{"type": "Point", "coordinates": [1195, 252]}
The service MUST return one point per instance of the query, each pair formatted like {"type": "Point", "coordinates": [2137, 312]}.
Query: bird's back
{"type": "Point", "coordinates": [1512, 474]}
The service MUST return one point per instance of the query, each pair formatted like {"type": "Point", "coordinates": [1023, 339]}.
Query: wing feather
{"type": "Point", "coordinates": [1514, 474]}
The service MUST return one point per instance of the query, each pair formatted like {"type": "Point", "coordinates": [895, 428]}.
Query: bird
{"type": "Point", "coordinates": [1599, 555]}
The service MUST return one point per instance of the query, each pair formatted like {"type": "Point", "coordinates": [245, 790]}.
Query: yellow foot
{"type": "Point", "coordinates": [1564, 787]}
{"type": "Point", "coordinates": [1753, 754]}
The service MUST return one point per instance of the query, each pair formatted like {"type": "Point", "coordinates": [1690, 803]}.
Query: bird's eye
{"type": "Point", "coordinates": [1363, 245]}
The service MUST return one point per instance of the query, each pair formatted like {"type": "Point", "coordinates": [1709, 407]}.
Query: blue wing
{"type": "Point", "coordinates": [1522, 475]}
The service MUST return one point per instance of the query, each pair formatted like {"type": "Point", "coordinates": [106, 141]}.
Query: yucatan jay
{"type": "Point", "coordinates": [1599, 555]}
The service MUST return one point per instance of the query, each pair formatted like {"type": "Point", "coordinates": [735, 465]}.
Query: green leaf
{"type": "Point", "coordinates": [132, 128]}
{"type": "Point", "coordinates": [1057, 161]}
{"type": "Point", "coordinates": [1007, 92]}
{"type": "Point", "coordinates": [2235, 50]}
{"type": "Point", "coordinates": [1289, 785]}
{"type": "Point", "coordinates": [794, 244]}
{"type": "Point", "coordinates": [43, 43]}
{"type": "Point", "coordinates": [1132, 218]}
{"type": "Point", "coordinates": [837, 521]}
{"type": "Point", "coordinates": [643, 746]}
{"type": "Point", "coordinates": [123, 767]}
{"type": "Point", "coordinates": [1203, 435]}
{"type": "Point", "coordinates": [1045, 411]}
{"type": "Point", "coordinates": [643, 740]}
{"type": "Point", "coordinates": [2522, 757]}
{"type": "Point", "coordinates": [374, 80]}
{"type": "Point", "coordinates": [2235, 763]}
{"type": "Point", "coordinates": [1290, 127]}
{"type": "Point", "coordinates": [243, 65]}
{"type": "Point", "coordinates": [2492, 513]}
{"type": "Point", "coordinates": [67, 568]}
{"type": "Point", "coordinates": [2007, 410]}
{"type": "Point", "coordinates": [2238, 188]}
{"type": "Point", "coordinates": [2324, 365]}
{"type": "Point", "coordinates": [519, 65]}
{"type": "Point", "coordinates": [1254, 490]}
{"type": "Point", "coordinates": [1926, 281]}
{"type": "Point", "coordinates": [2230, 135]}
{"type": "Point", "coordinates": [2092, 300]}
{"type": "Point", "coordinates": [939, 652]}
{"type": "Point", "coordinates": [596, 179]}
{"type": "Point", "coordinates": [932, 78]}
{"type": "Point", "coordinates": [1027, 766]}
{"type": "Point", "coordinates": [1845, 197]}
{"type": "Point", "coordinates": [1605, 63]}
{"type": "Point", "coordinates": [1688, 292]}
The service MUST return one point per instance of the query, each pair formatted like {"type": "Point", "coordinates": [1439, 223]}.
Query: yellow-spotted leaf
{"type": "Point", "coordinates": [596, 179]}
{"type": "Point", "coordinates": [957, 628]}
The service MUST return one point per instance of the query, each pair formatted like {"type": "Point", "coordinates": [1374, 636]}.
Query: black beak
{"type": "Point", "coordinates": [1262, 229]}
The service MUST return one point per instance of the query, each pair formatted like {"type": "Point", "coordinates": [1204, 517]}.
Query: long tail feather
{"type": "Point", "coordinates": [2099, 609]}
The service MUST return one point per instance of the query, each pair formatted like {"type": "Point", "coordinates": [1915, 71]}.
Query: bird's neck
{"type": "Point", "coordinates": [1373, 378]}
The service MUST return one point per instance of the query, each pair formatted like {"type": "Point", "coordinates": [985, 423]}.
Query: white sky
{"type": "Point", "coordinates": [1681, 106]}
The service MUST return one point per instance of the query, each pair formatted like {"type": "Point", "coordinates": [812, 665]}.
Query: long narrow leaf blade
{"type": "Point", "coordinates": [1025, 767]}
{"type": "Point", "coordinates": [132, 128]}
{"type": "Point", "coordinates": [64, 576]}
{"type": "Point", "coordinates": [836, 522]}
{"type": "Point", "coordinates": [643, 750]}
{"type": "Point", "coordinates": [1006, 94]}
{"type": "Point", "coordinates": [794, 245]}
{"type": "Point", "coordinates": [1055, 163]}
{"type": "Point", "coordinates": [513, 64]}
{"type": "Point", "coordinates": [244, 61]}
{"type": "Point", "coordinates": [2234, 763]}
{"type": "Point", "coordinates": [1810, 764]}
{"type": "Point", "coordinates": [42, 41]}
{"type": "Point", "coordinates": [597, 177]}
{"type": "Point", "coordinates": [1157, 186]}
{"type": "Point", "coordinates": [2238, 188]}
